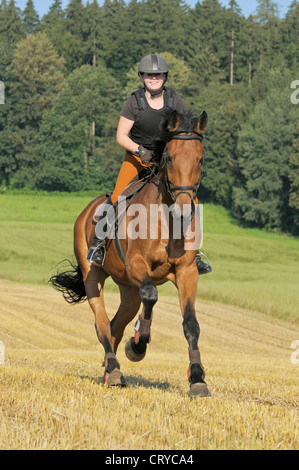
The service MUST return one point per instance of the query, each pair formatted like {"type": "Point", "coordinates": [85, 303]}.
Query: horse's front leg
{"type": "Point", "coordinates": [137, 271]}
{"type": "Point", "coordinates": [186, 281]}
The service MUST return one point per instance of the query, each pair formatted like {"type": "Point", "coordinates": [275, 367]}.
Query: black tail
{"type": "Point", "coordinates": [70, 283]}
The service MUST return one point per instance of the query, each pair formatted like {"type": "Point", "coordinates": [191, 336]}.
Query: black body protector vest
{"type": "Point", "coordinates": [147, 127]}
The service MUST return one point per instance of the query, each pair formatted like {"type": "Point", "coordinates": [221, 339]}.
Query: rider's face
{"type": "Point", "coordinates": [153, 81]}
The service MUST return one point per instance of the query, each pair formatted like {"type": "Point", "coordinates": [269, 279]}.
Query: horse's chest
{"type": "Point", "coordinates": [160, 273]}
{"type": "Point", "coordinates": [160, 263]}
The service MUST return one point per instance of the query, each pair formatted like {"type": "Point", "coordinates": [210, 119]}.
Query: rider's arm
{"type": "Point", "coordinates": [122, 135]}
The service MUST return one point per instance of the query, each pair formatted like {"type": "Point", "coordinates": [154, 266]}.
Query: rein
{"type": "Point", "coordinates": [182, 189]}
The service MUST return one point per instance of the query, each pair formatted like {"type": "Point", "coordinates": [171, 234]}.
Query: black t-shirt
{"type": "Point", "coordinates": [147, 122]}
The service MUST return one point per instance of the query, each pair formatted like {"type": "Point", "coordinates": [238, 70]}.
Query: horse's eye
{"type": "Point", "coordinates": [169, 160]}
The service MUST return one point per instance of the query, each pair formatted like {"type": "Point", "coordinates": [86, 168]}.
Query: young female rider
{"type": "Point", "coordinates": [139, 123]}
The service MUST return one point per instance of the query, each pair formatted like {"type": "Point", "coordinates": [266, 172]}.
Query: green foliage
{"type": "Point", "coordinates": [36, 78]}
{"type": "Point", "coordinates": [67, 75]}
{"type": "Point", "coordinates": [12, 28]}
{"type": "Point", "coordinates": [264, 147]}
{"type": "Point", "coordinates": [294, 179]}
{"type": "Point", "coordinates": [30, 18]}
{"type": "Point", "coordinates": [73, 133]}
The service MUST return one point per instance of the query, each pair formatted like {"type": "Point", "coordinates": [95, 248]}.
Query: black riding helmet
{"type": "Point", "coordinates": [154, 63]}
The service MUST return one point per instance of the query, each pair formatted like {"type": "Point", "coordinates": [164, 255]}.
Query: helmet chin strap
{"type": "Point", "coordinates": [155, 93]}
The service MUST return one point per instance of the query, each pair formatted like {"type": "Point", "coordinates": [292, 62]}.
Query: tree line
{"type": "Point", "coordinates": [67, 75]}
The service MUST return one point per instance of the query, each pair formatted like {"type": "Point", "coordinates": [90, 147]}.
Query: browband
{"type": "Point", "coordinates": [186, 136]}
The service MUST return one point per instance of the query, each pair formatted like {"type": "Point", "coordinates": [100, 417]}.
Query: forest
{"type": "Point", "coordinates": [65, 77]}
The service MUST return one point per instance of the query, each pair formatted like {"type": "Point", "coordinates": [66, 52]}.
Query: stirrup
{"type": "Point", "coordinates": [202, 267]}
{"type": "Point", "coordinates": [99, 250]}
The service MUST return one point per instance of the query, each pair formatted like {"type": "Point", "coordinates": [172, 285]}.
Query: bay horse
{"type": "Point", "coordinates": [147, 262]}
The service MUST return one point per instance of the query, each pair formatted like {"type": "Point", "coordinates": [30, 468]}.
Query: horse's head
{"type": "Point", "coordinates": [183, 160]}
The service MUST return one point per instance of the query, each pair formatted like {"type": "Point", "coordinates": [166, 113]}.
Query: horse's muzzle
{"type": "Point", "coordinates": [183, 214]}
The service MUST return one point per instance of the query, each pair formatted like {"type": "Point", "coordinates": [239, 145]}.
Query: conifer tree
{"type": "Point", "coordinates": [11, 27]}
{"type": "Point", "coordinates": [54, 14]}
{"type": "Point", "coordinates": [93, 34]}
{"type": "Point", "coordinates": [113, 46]}
{"type": "Point", "coordinates": [30, 18]}
{"type": "Point", "coordinates": [132, 39]}
{"type": "Point", "coordinates": [294, 181]}
{"type": "Point", "coordinates": [74, 17]}
{"type": "Point", "coordinates": [73, 34]}
{"type": "Point", "coordinates": [288, 30]}
{"type": "Point", "coordinates": [267, 16]}
{"type": "Point", "coordinates": [234, 20]}
{"type": "Point", "coordinates": [66, 44]}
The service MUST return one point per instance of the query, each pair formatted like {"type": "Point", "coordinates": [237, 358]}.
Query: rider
{"type": "Point", "coordinates": [139, 123]}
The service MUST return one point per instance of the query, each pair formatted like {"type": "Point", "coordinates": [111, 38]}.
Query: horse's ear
{"type": "Point", "coordinates": [173, 122]}
{"type": "Point", "coordinates": [201, 123]}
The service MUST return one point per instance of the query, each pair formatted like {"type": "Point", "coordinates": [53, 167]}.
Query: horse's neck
{"type": "Point", "coordinates": [155, 192]}
{"type": "Point", "coordinates": [163, 193]}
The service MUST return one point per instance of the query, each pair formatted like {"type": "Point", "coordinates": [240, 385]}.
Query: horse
{"type": "Point", "coordinates": [147, 262]}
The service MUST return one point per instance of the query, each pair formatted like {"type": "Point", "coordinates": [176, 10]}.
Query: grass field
{"type": "Point", "coordinates": [51, 395]}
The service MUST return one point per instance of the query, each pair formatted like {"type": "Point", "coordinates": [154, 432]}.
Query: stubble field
{"type": "Point", "coordinates": [52, 396]}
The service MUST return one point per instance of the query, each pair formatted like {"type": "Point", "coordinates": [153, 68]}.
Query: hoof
{"type": "Point", "coordinates": [115, 379]}
{"type": "Point", "coordinates": [199, 390]}
{"type": "Point", "coordinates": [131, 354]}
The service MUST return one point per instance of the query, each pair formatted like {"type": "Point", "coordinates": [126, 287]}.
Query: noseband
{"type": "Point", "coordinates": [182, 189]}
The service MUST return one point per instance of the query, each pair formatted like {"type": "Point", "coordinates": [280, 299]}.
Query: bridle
{"type": "Point", "coordinates": [182, 189]}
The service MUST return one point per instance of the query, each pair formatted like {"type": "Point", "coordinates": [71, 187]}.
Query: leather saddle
{"type": "Point", "coordinates": [128, 193]}
{"type": "Point", "coordinates": [127, 197]}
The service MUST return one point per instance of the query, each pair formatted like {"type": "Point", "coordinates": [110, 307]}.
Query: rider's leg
{"type": "Point", "coordinates": [96, 252]}
{"type": "Point", "coordinates": [130, 168]}
{"type": "Point", "coordinates": [202, 267]}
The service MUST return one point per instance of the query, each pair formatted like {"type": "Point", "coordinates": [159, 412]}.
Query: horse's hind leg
{"type": "Point", "coordinates": [94, 284]}
{"type": "Point", "coordinates": [186, 281]}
